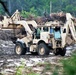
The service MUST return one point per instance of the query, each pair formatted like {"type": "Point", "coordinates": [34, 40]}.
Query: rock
{"type": "Point", "coordinates": [1, 61]}
{"type": "Point", "coordinates": [6, 47]}
{"type": "Point", "coordinates": [1, 64]}
{"type": "Point", "coordinates": [8, 72]}
{"type": "Point", "coordinates": [38, 69]}
{"type": "Point", "coordinates": [29, 64]}
{"type": "Point", "coordinates": [10, 65]}
{"type": "Point", "coordinates": [10, 60]}
{"type": "Point", "coordinates": [68, 53]}
{"type": "Point", "coordinates": [17, 64]}
{"type": "Point", "coordinates": [48, 73]}
{"type": "Point", "coordinates": [36, 60]}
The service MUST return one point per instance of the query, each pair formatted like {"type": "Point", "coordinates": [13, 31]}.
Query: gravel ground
{"type": "Point", "coordinates": [9, 65]}
{"type": "Point", "coordinates": [9, 62]}
{"type": "Point", "coordinates": [6, 47]}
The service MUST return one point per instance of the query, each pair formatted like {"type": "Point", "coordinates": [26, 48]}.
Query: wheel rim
{"type": "Point", "coordinates": [18, 49]}
{"type": "Point", "coordinates": [42, 51]}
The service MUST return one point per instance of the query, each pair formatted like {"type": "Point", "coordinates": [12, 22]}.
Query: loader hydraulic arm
{"type": "Point", "coordinates": [71, 25]}
{"type": "Point", "coordinates": [25, 25]}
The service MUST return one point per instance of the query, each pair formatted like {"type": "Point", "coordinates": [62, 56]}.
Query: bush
{"type": "Point", "coordinates": [69, 66]}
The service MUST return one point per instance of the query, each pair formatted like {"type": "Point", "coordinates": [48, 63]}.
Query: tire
{"type": "Point", "coordinates": [63, 52]}
{"type": "Point", "coordinates": [60, 51]}
{"type": "Point", "coordinates": [34, 53]}
{"type": "Point", "coordinates": [56, 52]}
{"type": "Point", "coordinates": [19, 50]}
{"type": "Point", "coordinates": [43, 50]}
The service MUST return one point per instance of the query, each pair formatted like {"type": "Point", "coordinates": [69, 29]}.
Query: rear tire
{"type": "Point", "coordinates": [63, 52]}
{"type": "Point", "coordinates": [56, 52]}
{"type": "Point", "coordinates": [19, 50]}
{"type": "Point", "coordinates": [34, 53]}
{"type": "Point", "coordinates": [43, 50]}
{"type": "Point", "coordinates": [60, 51]}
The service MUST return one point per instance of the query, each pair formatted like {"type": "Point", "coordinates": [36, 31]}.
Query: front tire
{"type": "Point", "coordinates": [19, 50]}
{"type": "Point", "coordinates": [43, 50]}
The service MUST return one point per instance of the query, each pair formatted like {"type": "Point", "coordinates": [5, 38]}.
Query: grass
{"type": "Point", "coordinates": [69, 65]}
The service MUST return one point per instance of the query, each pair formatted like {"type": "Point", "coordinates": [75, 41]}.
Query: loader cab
{"type": "Point", "coordinates": [41, 34]}
{"type": "Point", "coordinates": [55, 31]}
{"type": "Point", "coordinates": [40, 31]}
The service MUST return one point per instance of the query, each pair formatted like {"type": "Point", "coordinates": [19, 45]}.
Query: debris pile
{"type": "Point", "coordinates": [61, 17]}
{"type": "Point", "coordinates": [8, 34]}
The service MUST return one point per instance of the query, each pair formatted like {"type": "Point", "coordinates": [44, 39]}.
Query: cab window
{"type": "Point", "coordinates": [45, 29]}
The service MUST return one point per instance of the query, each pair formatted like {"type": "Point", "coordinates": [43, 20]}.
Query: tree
{"type": "Point", "coordinates": [38, 7]}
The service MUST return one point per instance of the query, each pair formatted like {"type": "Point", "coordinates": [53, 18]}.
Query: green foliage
{"type": "Point", "coordinates": [55, 72]}
{"type": "Point", "coordinates": [25, 14]}
{"type": "Point", "coordinates": [32, 73]}
{"type": "Point", "coordinates": [20, 69]}
{"type": "Point", "coordinates": [47, 66]}
{"type": "Point", "coordinates": [32, 12]}
{"type": "Point", "coordinates": [1, 10]}
{"type": "Point", "coordinates": [69, 66]}
{"type": "Point", "coordinates": [38, 7]}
